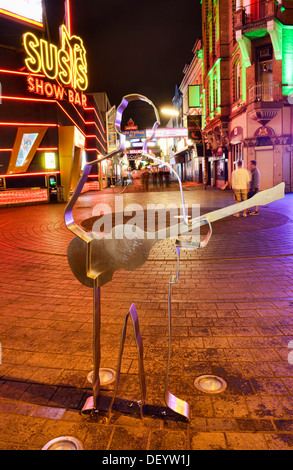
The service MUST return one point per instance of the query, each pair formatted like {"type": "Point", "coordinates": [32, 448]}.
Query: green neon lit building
{"type": "Point", "coordinates": [248, 87]}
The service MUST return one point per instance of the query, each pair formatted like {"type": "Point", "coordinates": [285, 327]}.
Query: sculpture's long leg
{"type": "Point", "coordinates": [96, 345]}
{"type": "Point", "coordinates": [174, 403]}
{"type": "Point", "coordinates": [138, 339]}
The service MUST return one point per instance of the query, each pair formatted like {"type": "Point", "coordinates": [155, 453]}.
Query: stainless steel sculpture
{"type": "Point", "coordinates": [93, 261]}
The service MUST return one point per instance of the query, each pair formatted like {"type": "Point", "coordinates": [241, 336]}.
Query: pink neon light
{"type": "Point", "coordinates": [40, 149]}
{"type": "Point", "coordinates": [95, 124]}
{"type": "Point", "coordinates": [47, 149]}
{"type": "Point", "coordinates": [27, 124]}
{"type": "Point", "coordinates": [15, 72]}
{"type": "Point", "coordinates": [30, 174]}
{"type": "Point", "coordinates": [93, 109]}
{"type": "Point", "coordinates": [52, 125]}
{"type": "Point", "coordinates": [68, 115]}
{"type": "Point", "coordinates": [52, 101]}
{"type": "Point", "coordinates": [79, 127]}
{"type": "Point", "coordinates": [91, 122]}
{"type": "Point", "coordinates": [17, 98]}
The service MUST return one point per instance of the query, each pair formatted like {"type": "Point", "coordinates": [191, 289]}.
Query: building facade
{"type": "Point", "coordinates": [191, 88]}
{"type": "Point", "coordinates": [247, 88]}
{"type": "Point", "coordinates": [49, 126]}
{"type": "Point", "coordinates": [189, 153]}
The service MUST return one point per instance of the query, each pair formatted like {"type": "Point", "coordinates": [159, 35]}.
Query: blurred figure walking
{"type": "Point", "coordinates": [254, 183]}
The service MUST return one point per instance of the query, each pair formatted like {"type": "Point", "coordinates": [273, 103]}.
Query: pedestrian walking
{"type": "Point", "coordinates": [124, 176]}
{"type": "Point", "coordinates": [254, 184]}
{"type": "Point", "coordinates": [167, 177]}
{"type": "Point", "coordinates": [154, 176]}
{"type": "Point", "coordinates": [110, 173]}
{"type": "Point", "coordinates": [240, 184]}
{"type": "Point", "coordinates": [145, 179]}
{"type": "Point", "coordinates": [161, 176]}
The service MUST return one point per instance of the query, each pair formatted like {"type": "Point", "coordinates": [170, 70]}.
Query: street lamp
{"type": "Point", "coordinates": [169, 112]}
{"type": "Point", "coordinates": [174, 112]}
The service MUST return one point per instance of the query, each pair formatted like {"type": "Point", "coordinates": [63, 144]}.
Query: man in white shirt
{"type": "Point", "coordinates": [240, 184]}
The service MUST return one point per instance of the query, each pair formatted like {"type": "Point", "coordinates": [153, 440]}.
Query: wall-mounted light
{"type": "Point", "coordinates": [50, 161]}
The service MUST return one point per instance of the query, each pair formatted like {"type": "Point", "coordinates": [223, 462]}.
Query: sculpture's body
{"type": "Point", "coordinates": [94, 259]}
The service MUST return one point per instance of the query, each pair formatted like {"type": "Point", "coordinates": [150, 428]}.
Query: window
{"type": "Point", "coordinates": [236, 80]}
{"type": "Point", "coordinates": [207, 98]}
{"type": "Point", "coordinates": [236, 151]}
{"type": "Point", "coordinates": [25, 147]}
{"type": "Point", "coordinates": [215, 91]}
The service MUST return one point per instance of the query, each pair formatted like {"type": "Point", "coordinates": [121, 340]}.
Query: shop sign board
{"type": "Point", "coordinates": [135, 134]}
{"type": "Point", "coordinates": [67, 66]}
{"type": "Point", "coordinates": [194, 96]}
{"type": "Point", "coordinates": [168, 132]}
{"type": "Point", "coordinates": [110, 129]}
{"type": "Point", "coordinates": [194, 128]}
{"type": "Point", "coordinates": [131, 126]}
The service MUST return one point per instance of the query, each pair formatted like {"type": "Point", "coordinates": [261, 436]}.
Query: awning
{"type": "Point", "coordinates": [182, 151]}
{"type": "Point", "coordinates": [179, 158]}
{"type": "Point", "coordinates": [180, 155]}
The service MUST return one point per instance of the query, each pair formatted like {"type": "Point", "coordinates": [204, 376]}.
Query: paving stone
{"type": "Point", "coordinates": [246, 441]}
{"type": "Point", "coordinates": [209, 441]}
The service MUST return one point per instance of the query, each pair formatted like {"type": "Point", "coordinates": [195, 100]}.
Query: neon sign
{"type": "Point", "coordinates": [57, 92]}
{"type": "Point", "coordinates": [168, 132]}
{"type": "Point", "coordinates": [68, 64]}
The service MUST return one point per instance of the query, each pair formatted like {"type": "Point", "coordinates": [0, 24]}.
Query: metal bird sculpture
{"type": "Point", "coordinates": [94, 259]}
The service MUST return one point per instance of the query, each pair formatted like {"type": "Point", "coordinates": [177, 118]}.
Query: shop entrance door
{"type": "Point", "coordinates": [71, 146]}
{"type": "Point", "coordinates": [76, 168]}
{"type": "Point", "coordinates": [200, 173]}
{"type": "Point", "coordinates": [265, 160]}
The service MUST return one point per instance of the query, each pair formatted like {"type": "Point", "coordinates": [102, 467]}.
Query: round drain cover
{"type": "Point", "coordinates": [63, 443]}
{"type": "Point", "coordinates": [210, 384]}
{"type": "Point", "coordinates": [107, 376]}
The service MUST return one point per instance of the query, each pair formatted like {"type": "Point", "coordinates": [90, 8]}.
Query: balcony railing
{"type": "Point", "coordinates": [264, 91]}
{"type": "Point", "coordinates": [251, 11]}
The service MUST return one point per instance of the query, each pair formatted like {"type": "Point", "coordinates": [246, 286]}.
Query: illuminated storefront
{"type": "Point", "coordinates": [49, 125]}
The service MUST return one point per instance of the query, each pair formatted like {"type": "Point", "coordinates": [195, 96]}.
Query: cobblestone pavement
{"type": "Point", "coordinates": [232, 316]}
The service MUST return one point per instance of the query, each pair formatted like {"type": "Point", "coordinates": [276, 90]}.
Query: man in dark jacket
{"type": "Point", "coordinates": [254, 183]}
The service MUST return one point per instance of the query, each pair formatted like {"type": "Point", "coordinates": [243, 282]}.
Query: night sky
{"type": "Point", "coordinates": [132, 46]}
